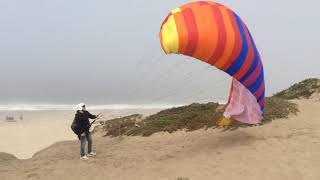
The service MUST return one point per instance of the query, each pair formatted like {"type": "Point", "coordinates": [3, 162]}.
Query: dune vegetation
{"type": "Point", "coordinates": [197, 116]}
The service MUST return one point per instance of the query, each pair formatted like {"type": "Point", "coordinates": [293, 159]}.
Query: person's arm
{"type": "Point", "coordinates": [92, 116]}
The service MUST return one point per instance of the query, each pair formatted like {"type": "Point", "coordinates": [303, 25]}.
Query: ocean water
{"type": "Point", "coordinates": [51, 107]}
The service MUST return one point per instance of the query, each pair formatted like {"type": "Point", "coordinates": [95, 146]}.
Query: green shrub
{"type": "Point", "coordinates": [197, 116]}
{"type": "Point", "coordinates": [303, 89]}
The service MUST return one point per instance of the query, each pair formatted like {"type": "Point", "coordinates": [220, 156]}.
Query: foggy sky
{"type": "Point", "coordinates": [109, 51]}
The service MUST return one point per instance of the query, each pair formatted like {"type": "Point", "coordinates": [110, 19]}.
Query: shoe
{"type": "Point", "coordinates": [84, 157]}
{"type": "Point", "coordinates": [91, 154]}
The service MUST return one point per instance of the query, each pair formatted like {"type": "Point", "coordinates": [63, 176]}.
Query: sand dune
{"type": "Point", "coordinates": [286, 149]}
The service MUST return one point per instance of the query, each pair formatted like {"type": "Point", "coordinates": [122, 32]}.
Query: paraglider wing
{"type": "Point", "coordinates": [214, 34]}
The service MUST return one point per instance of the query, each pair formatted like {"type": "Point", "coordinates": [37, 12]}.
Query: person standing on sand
{"type": "Point", "coordinates": [83, 125]}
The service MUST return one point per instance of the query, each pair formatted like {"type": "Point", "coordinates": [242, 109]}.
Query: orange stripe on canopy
{"type": "Point", "coordinates": [207, 30]}
{"type": "Point", "coordinates": [238, 42]}
{"type": "Point", "coordinates": [182, 31]}
{"type": "Point", "coordinates": [193, 34]}
{"type": "Point", "coordinates": [222, 34]}
{"type": "Point", "coordinates": [189, 5]}
{"type": "Point", "coordinates": [230, 38]}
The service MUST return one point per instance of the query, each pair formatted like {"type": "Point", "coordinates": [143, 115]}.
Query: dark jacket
{"type": "Point", "coordinates": [81, 122]}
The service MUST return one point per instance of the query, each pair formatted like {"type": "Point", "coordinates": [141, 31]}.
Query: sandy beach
{"type": "Point", "coordinates": [286, 149]}
{"type": "Point", "coordinates": [181, 90]}
{"type": "Point", "coordinates": [40, 129]}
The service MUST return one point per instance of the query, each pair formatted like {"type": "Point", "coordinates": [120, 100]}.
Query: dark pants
{"type": "Point", "coordinates": [83, 139]}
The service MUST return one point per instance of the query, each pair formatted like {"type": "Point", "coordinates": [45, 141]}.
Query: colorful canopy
{"type": "Point", "coordinates": [214, 34]}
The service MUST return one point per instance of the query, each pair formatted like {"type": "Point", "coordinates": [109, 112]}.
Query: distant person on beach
{"type": "Point", "coordinates": [81, 126]}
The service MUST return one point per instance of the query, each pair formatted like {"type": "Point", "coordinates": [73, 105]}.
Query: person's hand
{"type": "Point", "coordinates": [99, 115]}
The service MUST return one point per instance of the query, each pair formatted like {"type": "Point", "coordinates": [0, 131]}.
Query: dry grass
{"type": "Point", "coordinates": [304, 89]}
{"type": "Point", "coordinates": [190, 118]}
{"type": "Point", "coordinates": [197, 116]}
{"type": "Point", "coordinates": [121, 126]}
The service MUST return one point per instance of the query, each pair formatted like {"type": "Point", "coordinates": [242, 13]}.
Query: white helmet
{"type": "Point", "coordinates": [80, 106]}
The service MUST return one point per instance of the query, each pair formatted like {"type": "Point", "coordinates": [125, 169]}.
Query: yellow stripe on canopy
{"type": "Point", "coordinates": [170, 36]}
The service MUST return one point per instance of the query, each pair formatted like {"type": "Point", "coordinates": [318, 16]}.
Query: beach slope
{"type": "Point", "coordinates": [284, 149]}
